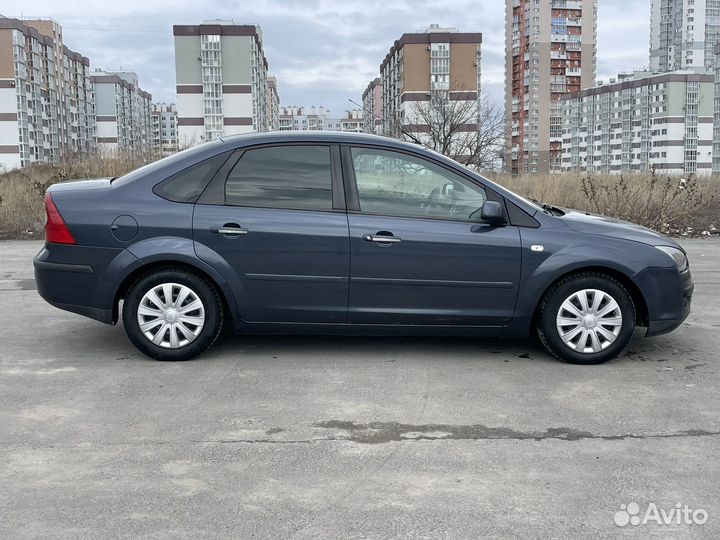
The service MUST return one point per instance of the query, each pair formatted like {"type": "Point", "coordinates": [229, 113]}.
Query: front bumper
{"type": "Point", "coordinates": [668, 297]}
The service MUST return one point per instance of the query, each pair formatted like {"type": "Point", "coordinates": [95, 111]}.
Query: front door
{"type": "Point", "coordinates": [417, 255]}
{"type": "Point", "coordinates": [281, 235]}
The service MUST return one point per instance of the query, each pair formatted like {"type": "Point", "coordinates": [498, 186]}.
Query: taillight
{"type": "Point", "coordinates": [56, 230]}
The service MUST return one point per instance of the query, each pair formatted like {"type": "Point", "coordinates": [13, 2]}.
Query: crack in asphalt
{"type": "Point", "coordinates": [386, 432]}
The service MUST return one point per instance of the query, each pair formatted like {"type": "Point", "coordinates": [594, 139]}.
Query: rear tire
{"type": "Point", "coordinates": [586, 318]}
{"type": "Point", "coordinates": [172, 314]}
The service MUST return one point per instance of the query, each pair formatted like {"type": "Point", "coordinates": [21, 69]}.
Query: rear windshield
{"type": "Point", "coordinates": [164, 162]}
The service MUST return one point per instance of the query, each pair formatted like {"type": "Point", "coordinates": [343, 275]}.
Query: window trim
{"type": "Point", "coordinates": [214, 193]}
{"type": "Point", "coordinates": [353, 200]}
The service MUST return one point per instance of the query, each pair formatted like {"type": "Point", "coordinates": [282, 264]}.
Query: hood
{"type": "Point", "coordinates": [78, 185]}
{"type": "Point", "coordinates": [604, 226]}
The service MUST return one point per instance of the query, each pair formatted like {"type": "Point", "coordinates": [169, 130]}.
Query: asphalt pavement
{"type": "Point", "coordinates": [334, 437]}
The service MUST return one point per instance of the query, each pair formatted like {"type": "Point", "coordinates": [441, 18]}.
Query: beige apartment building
{"type": "Point", "coordinates": [46, 97]}
{"type": "Point", "coordinates": [551, 51]}
{"type": "Point", "coordinates": [438, 59]}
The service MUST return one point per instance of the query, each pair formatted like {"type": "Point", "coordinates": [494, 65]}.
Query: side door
{"type": "Point", "coordinates": [273, 218]}
{"type": "Point", "coordinates": [418, 253]}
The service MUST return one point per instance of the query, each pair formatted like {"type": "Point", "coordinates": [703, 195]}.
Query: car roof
{"type": "Point", "coordinates": [338, 137]}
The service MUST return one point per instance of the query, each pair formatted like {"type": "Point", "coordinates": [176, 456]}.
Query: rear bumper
{"type": "Point", "coordinates": [668, 295]}
{"type": "Point", "coordinates": [76, 279]}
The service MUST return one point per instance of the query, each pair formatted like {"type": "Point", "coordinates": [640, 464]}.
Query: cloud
{"type": "Point", "coordinates": [323, 52]}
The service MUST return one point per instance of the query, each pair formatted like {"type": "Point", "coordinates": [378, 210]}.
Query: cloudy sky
{"type": "Point", "coordinates": [323, 52]}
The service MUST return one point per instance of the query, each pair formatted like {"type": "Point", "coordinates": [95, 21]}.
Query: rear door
{"type": "Point", "coordinates": [274, 219]}
{"type": "Point", "coordinates": [418, 254]}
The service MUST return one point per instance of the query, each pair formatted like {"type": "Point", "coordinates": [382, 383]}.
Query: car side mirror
{"type": "Point", "coordinates": [492, 212]}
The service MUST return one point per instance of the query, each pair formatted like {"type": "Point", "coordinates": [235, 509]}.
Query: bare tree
{"type": "Point", "coordinates": [471, 131]}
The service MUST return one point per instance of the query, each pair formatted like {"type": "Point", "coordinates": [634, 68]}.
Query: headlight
{"type": "Point", "coordinates": [677, 255]}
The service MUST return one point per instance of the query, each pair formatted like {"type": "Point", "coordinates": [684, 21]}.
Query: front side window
{"type": "Point", "coordinates": [296, 177]}
{"type": "Point", "coordinates": [391, 183]}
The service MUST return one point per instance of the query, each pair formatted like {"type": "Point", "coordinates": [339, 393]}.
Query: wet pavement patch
{"type": "Point", "coordinates": [384, 432]}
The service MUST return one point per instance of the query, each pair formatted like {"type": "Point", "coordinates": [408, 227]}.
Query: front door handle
{"type": "Point", "coordinates": [379, 239]}
{"type": "Point", "coordinates": [230, 229]}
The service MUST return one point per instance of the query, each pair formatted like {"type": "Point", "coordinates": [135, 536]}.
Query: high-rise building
{"type": "Point", "coordinates": [641, 121]}
{"type": "Point", "coordinates": [221, 75]}
{"type": "Point", "coordinates": [273, 104]}
{"type": "Point", "coordinates": [313, 118]}
{"type": "Point", "coordinates": [46, 98]}
{"type": "Point", "coordinates": [122, 112]}
{"type": "Point", "coordinates": [550, 52]}
{"type": "Point", "coordinates": [683, 34]}
{"type": "Point", "coordinates": [163, 120]}
{"type": "Point", "coordinates": [438, 59]}
{"type": "Point", "coordinates": [716, 110]}
{"type": "Point", "coordinates": [372, 107]}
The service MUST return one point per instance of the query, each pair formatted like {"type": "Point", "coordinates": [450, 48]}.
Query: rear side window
{"type": "Point", "coordinates": [296, 177]}
{"type": "Point", "coordinates": [188, 184]}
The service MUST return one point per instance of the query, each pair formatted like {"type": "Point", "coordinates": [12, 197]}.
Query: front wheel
{"type": "Point", "coordinates": [586, 318]}
{"type": "Point", "coordinates": [172, 314]}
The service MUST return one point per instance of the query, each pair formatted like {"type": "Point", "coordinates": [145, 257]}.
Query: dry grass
{"type": "Point", "coordinates": [671, 205]}
{"type": "Point", "coordinates": [666, 204]}
{"type": "Point", "coordinates": [22, 212]}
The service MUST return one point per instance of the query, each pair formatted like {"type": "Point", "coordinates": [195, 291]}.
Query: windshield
{"type": "Point", "coordinates": [159, 164]}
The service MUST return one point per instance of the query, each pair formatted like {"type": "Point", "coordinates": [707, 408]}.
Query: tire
{"type": "Point", "coordinates": [607, 329]}
{"type": "Point", "coordinates": [191, 321]}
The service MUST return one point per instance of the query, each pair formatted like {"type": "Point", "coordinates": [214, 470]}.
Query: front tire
{"type": "Point", "coordinates": [586, 318]}
{"type": "Point", "coordinates": [172, 314]}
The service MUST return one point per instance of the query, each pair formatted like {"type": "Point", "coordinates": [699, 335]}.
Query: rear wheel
{"type": "Point", "coordinates": [172, 314]}
{"type": "Point", "coordinates": [586, 318]}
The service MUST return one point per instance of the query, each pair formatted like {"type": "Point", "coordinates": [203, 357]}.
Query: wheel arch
{"type": "Point", "coordinates": [641, 308]}
{"type": "Point", "coordinates": [226, 296]}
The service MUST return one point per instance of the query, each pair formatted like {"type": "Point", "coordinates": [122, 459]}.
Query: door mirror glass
{"type": "Point", "coordinates": [397, 184]}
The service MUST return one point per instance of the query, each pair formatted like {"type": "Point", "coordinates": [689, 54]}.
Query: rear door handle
{"type": "Point", "coordinates": [381, 239]}
{"type": "Point", "coordinates": [230, 230]}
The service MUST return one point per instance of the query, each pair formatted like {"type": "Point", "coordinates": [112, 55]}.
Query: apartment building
{"type": "Point", "coordinates": [122, 112]}
{"type": "Point", "coordinates": [221, 75]}
{"type": "Point", "coordinates": [372, 107]}
{"type": "Point", "coordinates": [641, 121]}
{"type": "Point", "coordinates": [683, 34]}
{"type": "Point", "coordinates": [438, 59]}
{"type": "Point", "coordinates": [353, 121]}
{"type": "Point", "coordinates": [46, 98]}
{"type": "Point", "coordinates": [716, 110]}
{"type": "Point", "coordinates": [273, 104]}
{"type": "Point", "coordinates": [550, 52]}
{"type": "Point", "coordinates": [163, 121]}
{"type": "Point", "coordinates": [294, 118]}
